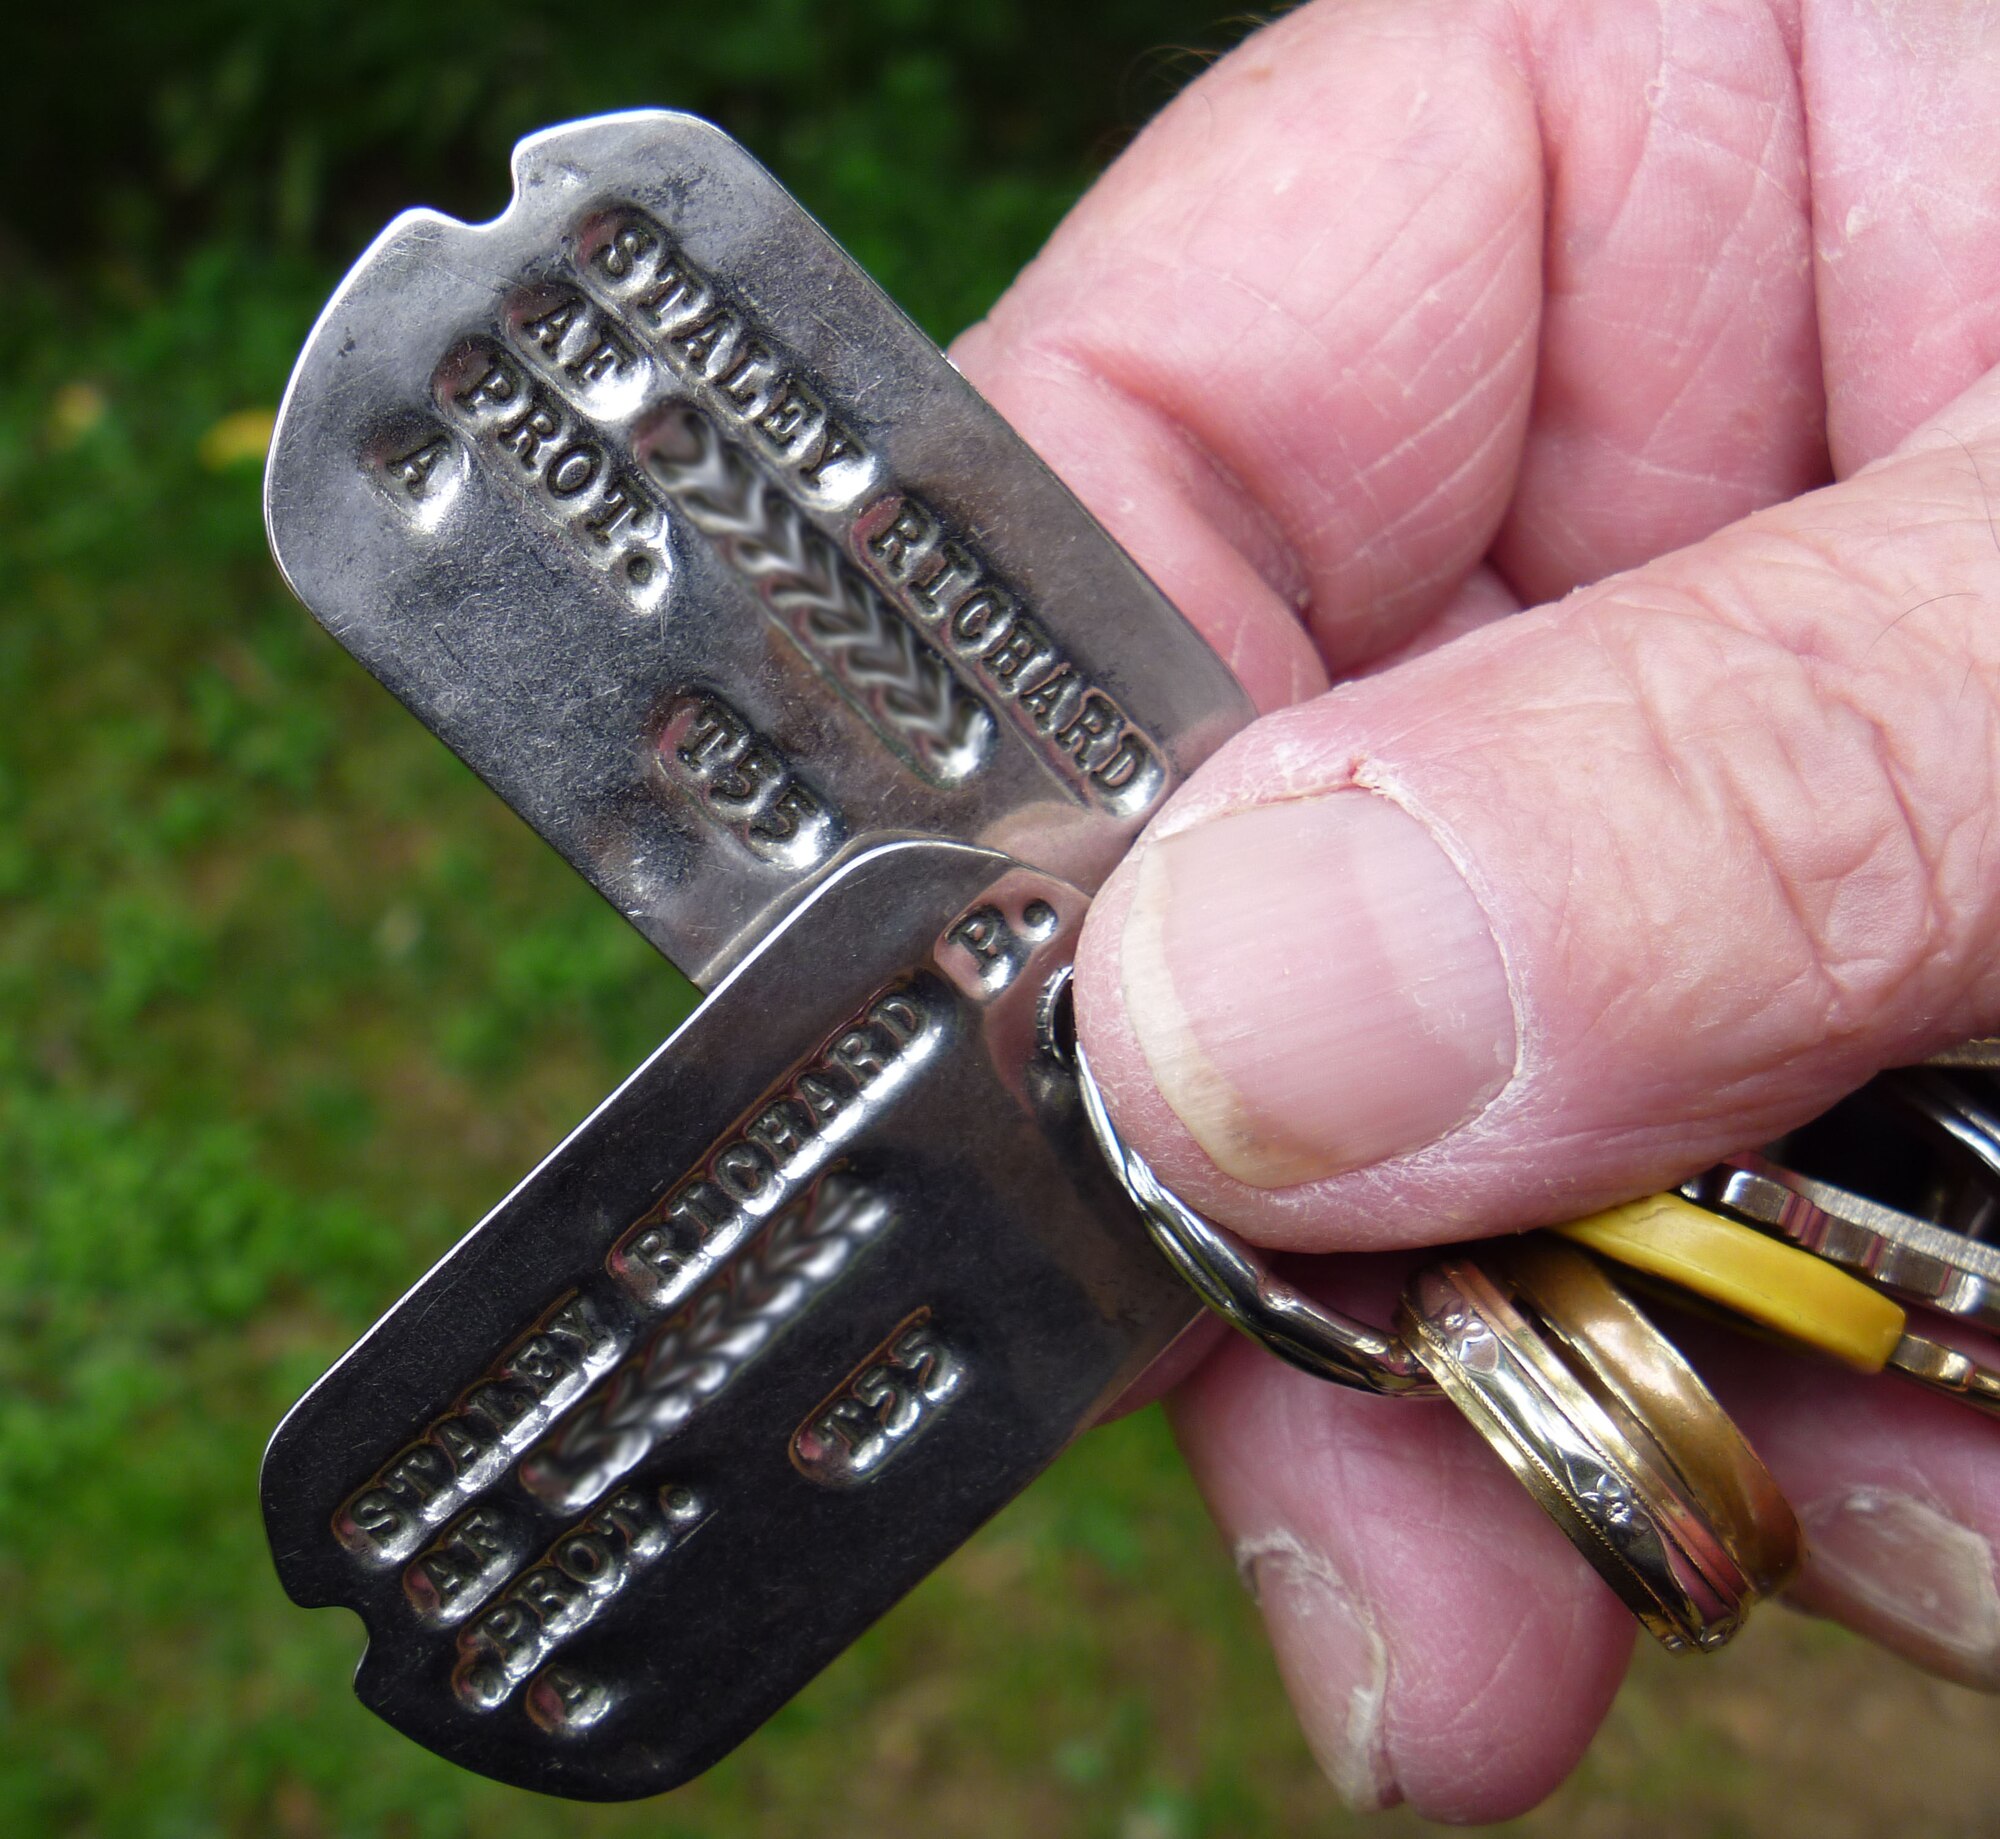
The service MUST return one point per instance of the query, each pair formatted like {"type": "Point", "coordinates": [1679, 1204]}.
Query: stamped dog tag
{"type": "Point", "coordinates": [823, 1285]}
{"type": "Point", "coordinates": [660, 512]}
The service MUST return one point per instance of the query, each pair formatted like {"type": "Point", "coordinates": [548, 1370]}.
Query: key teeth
{"type": "Point", "coordinates": [1911, 1258]}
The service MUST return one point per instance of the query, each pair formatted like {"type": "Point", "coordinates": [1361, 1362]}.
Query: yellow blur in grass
{"type": "Point", "coordinates": [237, 440]}
{"type": "Point", "coordinates": [74, 411]}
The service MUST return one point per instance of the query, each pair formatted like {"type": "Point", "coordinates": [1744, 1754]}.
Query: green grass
{"type": "Point", "coordinates": [287, 1000]}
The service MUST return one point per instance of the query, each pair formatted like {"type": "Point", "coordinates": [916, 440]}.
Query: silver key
{"type": "Point", "coordinates": [825, 1283]}
{"type": "Point", "coordinates": [656, 508]}
{"type": "Point", "coordinates": [1910, 1258]}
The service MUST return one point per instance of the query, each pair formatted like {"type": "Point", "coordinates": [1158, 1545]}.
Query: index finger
{"type": "Point", "coordinates": [1399, 273]}
{"type": "Point", "coordinates": [1285, 347]}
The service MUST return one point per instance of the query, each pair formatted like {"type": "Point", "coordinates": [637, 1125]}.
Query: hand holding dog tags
{"type": "Point", "coordinates": [657, 510]}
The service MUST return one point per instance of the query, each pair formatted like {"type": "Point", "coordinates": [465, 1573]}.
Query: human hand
{"type": "Point", "coordinates": [1669, 323]}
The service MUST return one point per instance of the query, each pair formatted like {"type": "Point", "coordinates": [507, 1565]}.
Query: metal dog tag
{"type": "Point", "coordinates": [826, 1282]}
{"type": "Point", "coordinates": [660, 512]}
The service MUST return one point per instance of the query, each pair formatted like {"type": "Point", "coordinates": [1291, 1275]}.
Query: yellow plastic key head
{"type": "Point", "coordinates": [1790, 1292]}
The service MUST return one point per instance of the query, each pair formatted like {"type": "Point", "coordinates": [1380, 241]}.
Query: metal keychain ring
{"type": "Point", "coordinates": [1231, 1279]}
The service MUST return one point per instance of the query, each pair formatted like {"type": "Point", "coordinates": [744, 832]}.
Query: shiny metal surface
{"type": "Point", "coordinates": [1953, 1116]}
{"type": "Point", "coordinates": [1924, 1140]}
{"type": "Point", "coordinates": [1945, 1370]}
{"type": "Point", "coordinates": [1660, 1403]}
{"type": "Point", "coordinates": [1908, 1257]}
{"type": "Point", "coordinates": [1233, 1281]}
{"type": "Point", "coordinates": [1953, 1108]}
{"type": "Point", "coordinates": [1632, 1516]}
{"type": "Point", "coordinates": [825, 1283]}
{"type": "Point", "coordinates": [1983, 1053]}
{"type": "Point", "coordinates": [650, 503]}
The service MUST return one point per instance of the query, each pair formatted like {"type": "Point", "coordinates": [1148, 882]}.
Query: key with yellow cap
{"type": "Point", "coordinates": [1915, 1260]}
{"type": "Point", "coordinates": [1793, 1294]}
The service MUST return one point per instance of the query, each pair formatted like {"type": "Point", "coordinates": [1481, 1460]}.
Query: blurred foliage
{"type": "Point", "coordinates": [938, 138]}
{"type": "Point", "coordinates": [286, 999]}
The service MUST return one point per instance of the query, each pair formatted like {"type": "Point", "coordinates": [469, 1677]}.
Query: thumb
{"type": "Point", "coordinates": [1589, 896]}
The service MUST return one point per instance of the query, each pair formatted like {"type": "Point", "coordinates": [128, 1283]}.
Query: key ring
{"type": "Point", "coordinates": [1226, 1275]}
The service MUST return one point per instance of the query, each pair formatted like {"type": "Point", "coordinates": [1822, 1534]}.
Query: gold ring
{"type": "Point", "coordinates": [1686, 1526]}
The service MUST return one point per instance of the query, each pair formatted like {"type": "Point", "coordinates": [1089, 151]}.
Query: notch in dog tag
{"type": "Point", "coordinates": [823, 1285]}
{"type": "Point", "coordinates": [652, 505]}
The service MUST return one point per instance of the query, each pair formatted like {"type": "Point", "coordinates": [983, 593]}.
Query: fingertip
{"type": "Point", "coordinates": [1442, 1643]}
{"type": "Point", "coordinates": [1897, 1492]}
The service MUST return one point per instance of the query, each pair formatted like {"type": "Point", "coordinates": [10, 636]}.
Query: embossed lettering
{"type": "Point", "coordinates": [1050, 692]}
{"type": "Point", "coordinates": [619, 504]}
{"type": "Point", "coordinates": [466, 1448]}
{"type": "Point", "coordinates": [792, 407]}
{"type": "Point", "coordinates": [696, 345]}
{"type": "Point", "coordinates": [783, 1130]}
{"type": "Point", "coordinates": [565, 1704]}
{"type": "Point", "coordinates": [633, 242]}
{"type": "Point", "coordinates": [675, 294]}
{"type": "Point", "coordinates": [830, 446]}
{"type": "Point", "coordinates": [497, 385]}
{"type": "Point", "coordinates": [739, 779]}
{"type": "Point", "coordinates": [1096, 717]}
{"type": "Point", "coordinates": [744, 384]}
{"type": "Point", "coordinates": [463, 1566]}
{"type": "Point", "coordinates": [894, 1394]}
{"type": "Point", "coordinates": [462, 1440]}
{"type": "Point", "coordinates": [856, 580]}
{"type": "Point", "coordinates": [537, 423]}
{"type": "Point", "coordinates": [1019, 645]}
{"type": "Point", "coordinates": [979, 620]}
{"type": "Point", "coordinates": [605, 356]}
{"type": "Point", "coordinates": [942, 581]}
{"type": "Point", "coordinates": [567, 1589]}
{"type": "Point", "coordinates": [700, 1351]}
{"type": "Point", "coordinates": [910, 529]}
{"type": "Point", "coordinates": [985, 934]}
{"type": "Point", "coordinates": [558, 455]}
{"type": "Point", "coordinates": [552, 327]}
{"type": "Point", "coordinates": [414, 468]}
{"type": "Point", "coordinates": [785, 1138]}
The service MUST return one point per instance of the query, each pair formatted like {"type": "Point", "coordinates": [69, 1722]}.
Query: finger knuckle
{"type": "Point", "coordinates": [1825, 684]}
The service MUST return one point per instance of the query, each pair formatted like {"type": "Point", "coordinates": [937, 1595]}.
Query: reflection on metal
{"type": "Point", "coordinates": [1611, 1433]}
{"type": "Point", "coordinates": [693, 1358]}
{"type": "Point", "coordinates": [650, 436]}
{"type": "Point", "coordinates": [741, 1462]}
{"type": "Point", "coordinates": [1909, 1257]}
{"type": "Point", "coordinates": [1233, 1281]}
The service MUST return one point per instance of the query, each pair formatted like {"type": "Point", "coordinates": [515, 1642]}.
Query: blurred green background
{"type": "Point", "coordinates": [286, 999]}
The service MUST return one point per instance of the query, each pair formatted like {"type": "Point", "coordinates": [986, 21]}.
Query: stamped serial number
{"type": "Point", "coordinates": [889, 1400]}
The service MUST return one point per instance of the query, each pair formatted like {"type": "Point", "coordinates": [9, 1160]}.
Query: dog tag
{"type": "Point", "coordinates": [823, 1285]}
{"type": "Point", "coordinates": [651, 504]}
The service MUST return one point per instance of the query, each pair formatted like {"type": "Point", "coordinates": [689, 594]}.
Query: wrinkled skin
{"type": "Point", "coordinates": [1598, 396]}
